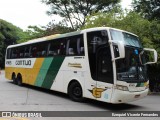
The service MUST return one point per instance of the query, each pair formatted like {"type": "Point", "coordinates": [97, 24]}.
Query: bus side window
{"type": "Point", "coordinates": [67, 47]}
{"type": "Point", "coordinates": [34, 51]}
{"type": "Point", "coordinates": [14, 53]}
{"type": "Point", "coordinates": [21, 52]}
{"type": "Point", "coordinates": [62, 47]}
{"type": "Point", "coordinates": [53, 48]}
{"type": "Point", "coordinates": [50, 51]}
{"type": "Point", "coordinates": [18, 52]}
{"type": "Point", "coordinates": [27, 51]}
{"type": "Point", "coordinates": [41, 50]}
{"type": "Point", "coordinates": [80, 46]}
{"type": "Point", "coordinates": [75, 45]}
{"type": "Point", "coordinates": [9, 53]}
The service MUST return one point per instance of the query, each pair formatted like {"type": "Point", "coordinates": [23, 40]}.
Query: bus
{"type": "Point", "coordinates": [101, 63]}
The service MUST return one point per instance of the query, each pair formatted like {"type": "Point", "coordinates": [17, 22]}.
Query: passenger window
{"type": "Point", "coordinates": [8, 53]}
{"type": "Point", "coordinates": [75, 45]}
{"type": "Point", "coordinates": [41, 50]}
{"type": "Point", "coordinates": [71, 47]}
{"type": "Point", "coordinates": [80, 46]}
{"type": "Point", "coordinates": [34, 51]}
{"type": "Point", "coordinates": [14, 53]}
{"type": "Point", "coordinates": [27, 51]}
{"type": "Point", "coordinates": [53, 48]}
{"type": "Point", "coordinates": [62, 46]}
{"type": "Point", "coordinates": [56, 47]}
{"type": "Point", "coordinates": [21, 52]}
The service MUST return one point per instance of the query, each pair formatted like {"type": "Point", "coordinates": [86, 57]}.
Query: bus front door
{"type": "Point", "coordinates": [104, 74]}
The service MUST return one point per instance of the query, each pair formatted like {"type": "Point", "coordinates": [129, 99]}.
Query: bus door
{"type": "Point", "coordinates": [104, 74]}
{"type": "Point", "coordinates": [99, 84]}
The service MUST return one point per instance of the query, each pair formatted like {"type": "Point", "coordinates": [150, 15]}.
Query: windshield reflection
{"type": "Point", "coordinates": [128, 39]}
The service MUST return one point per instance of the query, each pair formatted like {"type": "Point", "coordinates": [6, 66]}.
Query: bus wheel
{"type": "Point", "coordinates": [14, 79]}
{"type": "Point", "coordinates": [75, 92]}
{"type": "Point", "coordinates": [19, 80]}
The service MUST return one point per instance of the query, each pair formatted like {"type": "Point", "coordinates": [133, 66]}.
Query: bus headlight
{"type": "Point", "coordinates": [121, 87]}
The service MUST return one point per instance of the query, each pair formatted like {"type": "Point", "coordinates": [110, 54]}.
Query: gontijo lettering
{"type": "Point", "coordinates": [23, 62]}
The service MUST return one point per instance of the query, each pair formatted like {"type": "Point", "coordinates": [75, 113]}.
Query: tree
{"type": "Point", "coordinates": [9, 34]}
{"type": "Point", "coordinates": [59, 28]}
{"type": "Point", "coordinates": [149, 9]}
{"type": "Point", "coordinates": [75, 11]}
{"type": "Point", "coordinates": [1, 52]}
{"type": "Point", "coordinates": [34, 32]}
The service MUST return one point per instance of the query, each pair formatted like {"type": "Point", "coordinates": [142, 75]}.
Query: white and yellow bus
{"type": "Point", "coordinates": [104, 64]}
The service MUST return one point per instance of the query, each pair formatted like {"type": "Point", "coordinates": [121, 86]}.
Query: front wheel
{"type": "Point", "coordinates": [75, 92]}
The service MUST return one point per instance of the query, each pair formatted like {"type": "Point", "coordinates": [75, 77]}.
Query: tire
{"type": "Point", "coordinates": [75, 92]}
{"type": "Point", "coordinates": [19, 81]}
{"type": "Point", "coordinates": [14, 79]}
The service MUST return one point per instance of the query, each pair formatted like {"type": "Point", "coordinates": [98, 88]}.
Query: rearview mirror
{"type": "Point", "coordinates": [120, 49]}
{"type": "Point", "coordinates": [148, 56]}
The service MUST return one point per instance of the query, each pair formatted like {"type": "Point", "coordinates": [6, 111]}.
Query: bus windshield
{"type": "Point", "coordinates": [128, 39]}
{"type": "Point", "coordinates": [130, 68]}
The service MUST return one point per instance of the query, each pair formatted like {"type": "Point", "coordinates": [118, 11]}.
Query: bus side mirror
{"type": "Point", "coordinates": [121, 49]}
{"type": "Point", "coordinates": [150, 56]}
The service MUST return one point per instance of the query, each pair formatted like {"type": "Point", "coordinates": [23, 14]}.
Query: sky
{"type": "Point", "coordinates": [23, 13]}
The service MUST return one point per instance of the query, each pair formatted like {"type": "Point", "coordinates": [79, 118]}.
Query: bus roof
{"type": "Point", "coordinates": [51, 37]}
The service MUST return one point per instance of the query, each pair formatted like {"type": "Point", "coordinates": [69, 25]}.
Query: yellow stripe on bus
{"type": "Point", "coordinates": [29, 75]}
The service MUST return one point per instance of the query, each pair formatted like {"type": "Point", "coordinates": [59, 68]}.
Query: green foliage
{"type": "Point", "coordinates": [34, 32]}
{"type": "Point", "coordinates": [59, 28]}
{"type": "Point", "coordinates": [75, 11]}
{"type": "Point", "coordinates": [9, 34]}
{"type": "Point", "coordinates": [1, 53]}
{"type": "Point", "coordinates": [149, 9]}
{"type": "Point", "coordinates": [31, 33]}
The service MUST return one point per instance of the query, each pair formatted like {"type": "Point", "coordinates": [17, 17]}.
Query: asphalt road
{"type": "Point", "coordinates": [29, 98]}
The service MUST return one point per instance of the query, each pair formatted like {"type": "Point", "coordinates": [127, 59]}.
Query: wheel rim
{"type": "Point", "coordinates": [77, 92]}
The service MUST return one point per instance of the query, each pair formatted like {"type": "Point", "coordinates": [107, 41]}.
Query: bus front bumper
{"type": "Point", "coordinates": [120, 96]}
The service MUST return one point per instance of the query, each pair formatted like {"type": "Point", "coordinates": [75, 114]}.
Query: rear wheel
{"type": "Point", "coordinates": [14, 79]}
{"type": "Point", "coordinates": [75, 92]}
{"type": "Point", "coordinates": [19, 80]}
